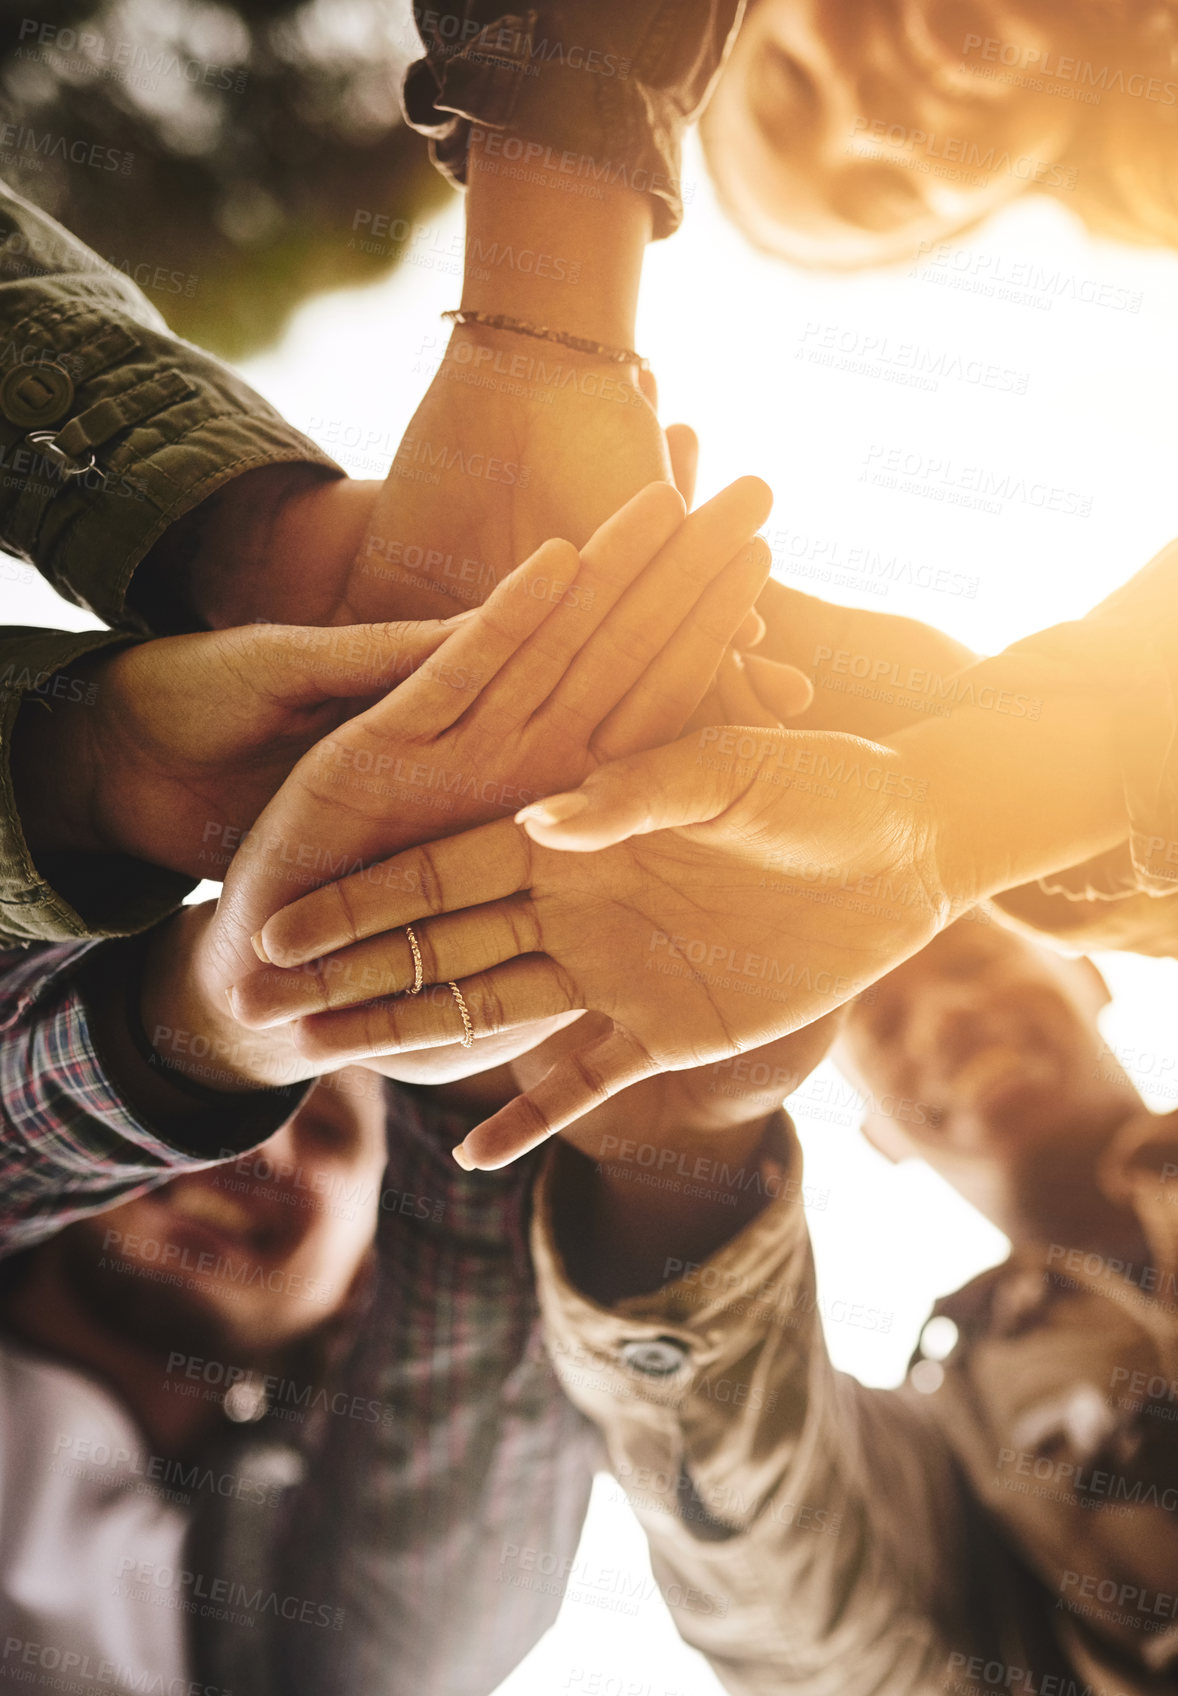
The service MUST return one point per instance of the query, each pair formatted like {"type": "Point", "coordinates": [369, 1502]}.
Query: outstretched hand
{"type": "Point", "coordinates": [491, 467]}
{"type": "Point", "coordinates": [575, 659]}
{"type": "Point", "coordinates": [179, 743]}
{"type": "Point", "coordinates": [737, 885]}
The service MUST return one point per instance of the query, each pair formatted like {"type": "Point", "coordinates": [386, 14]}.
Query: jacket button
{"type": "Point", "coordinates": [36, 394]}
{"type": "Point", "coordinates": [655, 1357]}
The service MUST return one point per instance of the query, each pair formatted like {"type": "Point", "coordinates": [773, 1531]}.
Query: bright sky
{"type": "Point", "coordinates": [809, 382]}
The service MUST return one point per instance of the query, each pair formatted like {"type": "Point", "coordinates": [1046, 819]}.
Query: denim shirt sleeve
{"type": "Point", "coordinates": [602, 90]}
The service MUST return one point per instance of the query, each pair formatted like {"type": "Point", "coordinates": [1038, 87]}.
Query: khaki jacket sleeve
{"type": "Point", "coordinates": [600, 89]}
{"type": "Point", "coordinates": [111, 428]}
{"type": "Point", "coordinates": [804, 1530]}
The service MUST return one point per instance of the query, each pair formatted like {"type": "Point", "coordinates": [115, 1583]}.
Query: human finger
{"type": "Point", "coordinates": [392, 963]}
{"type": "Point", "coordinates": [482, 645]}
{"type": "Point", "coordinates": [666, 594]}
{"type": "Point", "coordinates": [672, 686]}
{"type": "Point", "coordinates": [580, 1081]}
{"type": "Point", "coordinates": [782, 688]}
{"type": "Point", "coordinates": [510, 995]}
{"type": "Point", "coordinates": [683, 451]}
{"type": "Point", "coordinates": [306, 664]}
{"type": "Point", "coordinates": [578, 602]}
{"type": "Point", "coordinates": [661, 789]}
{"type": "Point", "coordinates": [469, 870]}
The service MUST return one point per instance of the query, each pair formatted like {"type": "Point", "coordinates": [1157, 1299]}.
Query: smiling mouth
{"type": "Point", "coordinates": [213, 1211]}
{"type": "Point", "coordinates": [998, 1068]}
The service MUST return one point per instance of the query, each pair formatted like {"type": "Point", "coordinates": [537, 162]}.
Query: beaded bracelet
{"type": "Point", "coordinates": [544, 333]}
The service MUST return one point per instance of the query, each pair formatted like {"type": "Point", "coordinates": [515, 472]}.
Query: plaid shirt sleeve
{"type": "Point", "coordinates": [70, 1145]}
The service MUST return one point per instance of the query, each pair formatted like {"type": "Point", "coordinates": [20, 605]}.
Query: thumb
{"type": "Point", "coordinates": [659, 790]}
{"type": "Point", "coordinates": [782, 689]}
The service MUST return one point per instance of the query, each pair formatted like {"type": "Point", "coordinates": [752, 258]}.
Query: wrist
{"type": "Point", "coordinates": [625, 1220]}
{"type": "Point", "coordinates": [536, 252]}
{"type": "Point", "coordinates": [274, 544]}
{"type": "Point", "coordinates": [1022, 780]}
{"type": "Point", "coordinates": [186, 1019]}
{"type": "Point", "coordinates": [55, 761]}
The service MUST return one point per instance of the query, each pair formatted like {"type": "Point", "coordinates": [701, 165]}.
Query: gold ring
{"type": "Point", "coordinates": [418, 974]}
{"type": "Point", "coordinates": [467, 1027]}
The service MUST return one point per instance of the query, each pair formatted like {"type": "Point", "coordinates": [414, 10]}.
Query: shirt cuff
{"type": "Point", "coordinates": [600, 94]}
{"type": "Point", "coordinates": [122, 895]}
{"type": "Point", "coordinates": [681, 1380]}
{"type": "Point", "coordinates": [147, 428]}
{"type": "Point", "coordinates": [72, 1144]}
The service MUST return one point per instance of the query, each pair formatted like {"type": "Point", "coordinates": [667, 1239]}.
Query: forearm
{"type": "Point", "coordinates": [58, 881]}
{"type": "Point", "coordinates": [274, 545]}
{"type": "Point", "coordinates": [1022, 781]}
{"type": "Point", "coordinates": [584, 255]}
{"type": "Point", "coordinates": [81, 1130]}
{"type": "Point", "coordinates": [626, 1220]}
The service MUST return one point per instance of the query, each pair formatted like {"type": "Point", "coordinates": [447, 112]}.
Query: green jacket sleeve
{"type": "Point", "coordinates": [111, 429]}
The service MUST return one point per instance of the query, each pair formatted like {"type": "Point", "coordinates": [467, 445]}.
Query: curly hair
{"type": "Point", "coordinates": [1124, 148]}
{"type": "Point", "coordinates": [1099, 78]}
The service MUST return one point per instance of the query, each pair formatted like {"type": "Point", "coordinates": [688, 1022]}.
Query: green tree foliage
{"type": "Point", "coordinates": [219, 154]}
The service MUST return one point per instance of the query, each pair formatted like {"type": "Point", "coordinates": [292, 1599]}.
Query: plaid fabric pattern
{"type": "Point", "coordinates": [419, 1526]}
{"type": "Point", "coordinates": [414, 1529]}
{"type": "Point", "coordinates": [70, 1144]}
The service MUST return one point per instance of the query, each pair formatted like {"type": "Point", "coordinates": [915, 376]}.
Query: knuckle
{"type": "Point", "coordinates": [486, 1009]}
{"type": "Point", "coordinates": [523, 929]}
{"type": "Point", "coordinates": [430, 881]}
{"type": "Point", "coordinates": [347, 912]}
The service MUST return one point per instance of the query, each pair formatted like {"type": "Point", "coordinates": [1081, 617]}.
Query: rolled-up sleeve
{"type": "Point", "coordinates": [758, 1472]}
{"type": "Point", "coordinates": [111, 428]}
{"type": "Point", "coordinates": [600, 90]}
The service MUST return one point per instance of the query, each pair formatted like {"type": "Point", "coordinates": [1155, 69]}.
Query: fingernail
{"type": "Point", "coordinates": [463, 1158]}
{"type": "Point", "coordinates": [555, 810]}
{"type": "Point", "coordinates": [259, 948]}
{"type": "Point", "coordinates": [231, 998]}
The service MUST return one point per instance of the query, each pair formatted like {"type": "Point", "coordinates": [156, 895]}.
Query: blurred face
{"type": "Point", "coordinates": [249, 1256]}
{"type": "Point", "coordinates": [844, 134]}
{"type": "Point", "coordinates": [985, 1045]}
